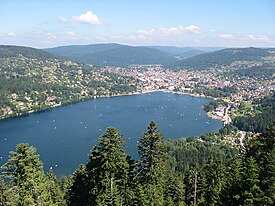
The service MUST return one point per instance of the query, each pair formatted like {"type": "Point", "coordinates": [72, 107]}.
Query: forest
{"type": "Point", "coordinates": [258, 122]}
{"type": "Point", "coordinates": [192, 171]}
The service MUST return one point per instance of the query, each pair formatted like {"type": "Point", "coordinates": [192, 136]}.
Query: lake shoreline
{"type": "Point", "coordinates": [74, 130]}
{"type": "Point", "coordinates": [27, 113]}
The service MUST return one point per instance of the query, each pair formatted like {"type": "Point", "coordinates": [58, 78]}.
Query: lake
{"type": "Point", "coordinates": [64, 136]}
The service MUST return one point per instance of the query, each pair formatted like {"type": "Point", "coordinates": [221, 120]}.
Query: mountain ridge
{"type": "Point", "coordinates": [225, 57]}
{"type": "Point", "coordinates": [30, 52]}
{"type": "Point", "coordinates": [123, 55]}
{"type": "Point", "coordinates": [113, 54]}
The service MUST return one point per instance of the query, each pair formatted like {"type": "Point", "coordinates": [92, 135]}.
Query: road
{"type": "Point", "coordinates": [226, 117]}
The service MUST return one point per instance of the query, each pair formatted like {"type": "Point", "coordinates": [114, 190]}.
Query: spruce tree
{"type": "Point", "coordinates": [268, 178]}
{"type": "Point", "coordinates": [151, 166]}
{"type": "Point", "coordinates": [231, 190]}
{"type": "Point", "coordinates": [174, 189]}
{"type": "Point", "coordinates": [4, 200]}
{"type": "Point", "coordinates": [252, 193]}
{"type": "Point", "coordinates": [108, 170]}
{"type": "Point", "coordinates": [214, 174]}
{"type": "Point", "coordinates": [78, 191]}
{"type": "Point", "coordinates": [261, 149]}
{"type": "Point", "coordinates": [54, 189]}
{"type": "Point", "coordinates": [25, 171]}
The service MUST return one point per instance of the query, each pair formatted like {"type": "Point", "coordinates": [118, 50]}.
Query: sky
{"type": "Point", "coordinates": [198, 23]}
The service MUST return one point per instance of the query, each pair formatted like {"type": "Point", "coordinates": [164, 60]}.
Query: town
{"type": "Point", "coordinates": [34, 85]}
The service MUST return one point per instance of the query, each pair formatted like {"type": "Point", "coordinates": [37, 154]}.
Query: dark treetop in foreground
{"type": "Point", "coordinates": [182, 172]}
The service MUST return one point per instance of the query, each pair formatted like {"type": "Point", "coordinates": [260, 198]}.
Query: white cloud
{"type": "Point", "coordinates": [50, 36]}
{"type": "Point", "coordinates": [192, 28]}
{"type": "Point", "coordinates": [88, 18]}
{"type": "Point", "coordinates": [260, 38]}
{"type": "Point", "coordinates": [227, 36]}
{"type": "Point", "coordinates": [250, 37]}
{"type": "Point", "coordinates": [63, 19]}
{"type": "Point", "coordinates": [70, 33]}
{"type": "Point", "coordinates": [11, 34]}
{"type": "Point", "coordinates": [166, 31]}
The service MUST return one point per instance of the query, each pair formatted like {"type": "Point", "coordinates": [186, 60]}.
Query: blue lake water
{"type": "Point", "coordinates": [64, 136]}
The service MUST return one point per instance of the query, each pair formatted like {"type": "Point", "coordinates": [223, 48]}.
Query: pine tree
{"type": "Point", "coordinates": [151, 166]}
{"type": "Point", "coordinates": [78, 192]}
{"type": "Point", "coordinates": [261, 149]}
{"type": "Point", "coordinates": [252, 193]}
{"type": "Point", "coordinates": [214, 171]}
{"type": "Point", "coordinates": [56, 194]}
{"type": "Point", "coordinates": [4, 200]}
{"type": "Point", "coordinates": [268, 178]}
{"type": "Point", "coordinates": [266, 164]}
{"type": "Point", "coordinates": [174, 190]}
{"type": "Point", "coordinates": [108, 170]}
{"type": "Point", "coordinates": [231, 190]}
{"type": "Point", "coordinates": [195, 186]}
{"type": "Point", "coordinates": [25, 171]}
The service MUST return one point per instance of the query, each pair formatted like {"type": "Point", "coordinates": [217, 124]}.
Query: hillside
{"type": "Point", "coordinates": [225, 57]}
{"type": "Point", "coordinates": [113, 54]}
{"type": "Point", "coordinates": [185, 52]}
{"type": "Point", "coordinates": [7, 51]}
{"type": "Point", "coordinates": [169, 56]}
{"type": "Point", "coordinates": [31, 81]}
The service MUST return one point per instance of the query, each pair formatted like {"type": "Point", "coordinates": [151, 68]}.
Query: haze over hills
{"type": "Point", "coordinates": [113, 54]}
{"type": "Point", "coordinates": [123, 55]}
{"type": "Point", "coordinates": [182, 57]}
{"type": "Point", "coordinates": [225, 57]}
{"type": "Point", "coordinates": [186, 52]}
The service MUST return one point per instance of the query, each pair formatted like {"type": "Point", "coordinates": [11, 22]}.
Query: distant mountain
{"type": "Point", "coordinates": [113, 54]}
{"type": "Point", "coordinates": [14, 51]}
{"type": "Point", "coordinates": [123, 55]}
{"type": "Point", "coordinates": [185, 52]}
{"type": "Point", "coordinates": [224, 57]}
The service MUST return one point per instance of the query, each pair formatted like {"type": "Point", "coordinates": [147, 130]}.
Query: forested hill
{"type": "Point", "coordinates": [226, 57]}
{"type": "Point", "coordinates": [185, 52]}
{"type": "Point", "coordinates": [7, 51]}
{"type": "Point", "coordinates": [173, 57]}
{"type": "Point", "coordinates": [113, 54]}
{"type": "Point", "coordinates": [124, 55]}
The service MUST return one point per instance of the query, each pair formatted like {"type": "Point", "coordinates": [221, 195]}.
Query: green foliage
{"type": "Point", "coordinates": [151, 165]}
{"type": "Point", "coordinates": [228, 129]}
{"type": "Point", "coordinates": [215, 92]}
{"type": "Point", "coordinates": [113, 54]}
{"type": "Point", "coordinates": [214, 175]}
{"type": "Point", "coordinates": [211, 106]}
{"type": "Point", "coordinates": [223, 57]}
{"type": "Point", "coordinates": [252, 193]}
{"type": "Point", "coordinates": [174, 189]}
{"type": "Point", "coordinates": [173, 173]}
{"type": "Point", "coordinates": [14, 51]}
{"type": "Point", "coordinates": [108, 169]}
{"type": "Point", "coordinates": [251, 181]}
{"type": "Point", "coordinates": [25, 171]}
{"type": "Point", "coordinates": [78, 192]}
{"type": "Point", "coordinates": [4, 198]}
{"type": "Point", "coordinates": [30, 84]}
{"type": "Point", "coordinates": [185, 154]}
{"type": "Point", "coordinates": [259, 122]}
{"type": "Point", "coordinates": [53, 187]}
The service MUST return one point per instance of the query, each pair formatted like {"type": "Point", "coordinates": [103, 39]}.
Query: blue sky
{"type": "Point", "coordinates": [49, 23]}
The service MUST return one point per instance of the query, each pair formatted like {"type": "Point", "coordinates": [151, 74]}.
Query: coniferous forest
{"type": "Point", "coordinates": [182, 172]}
